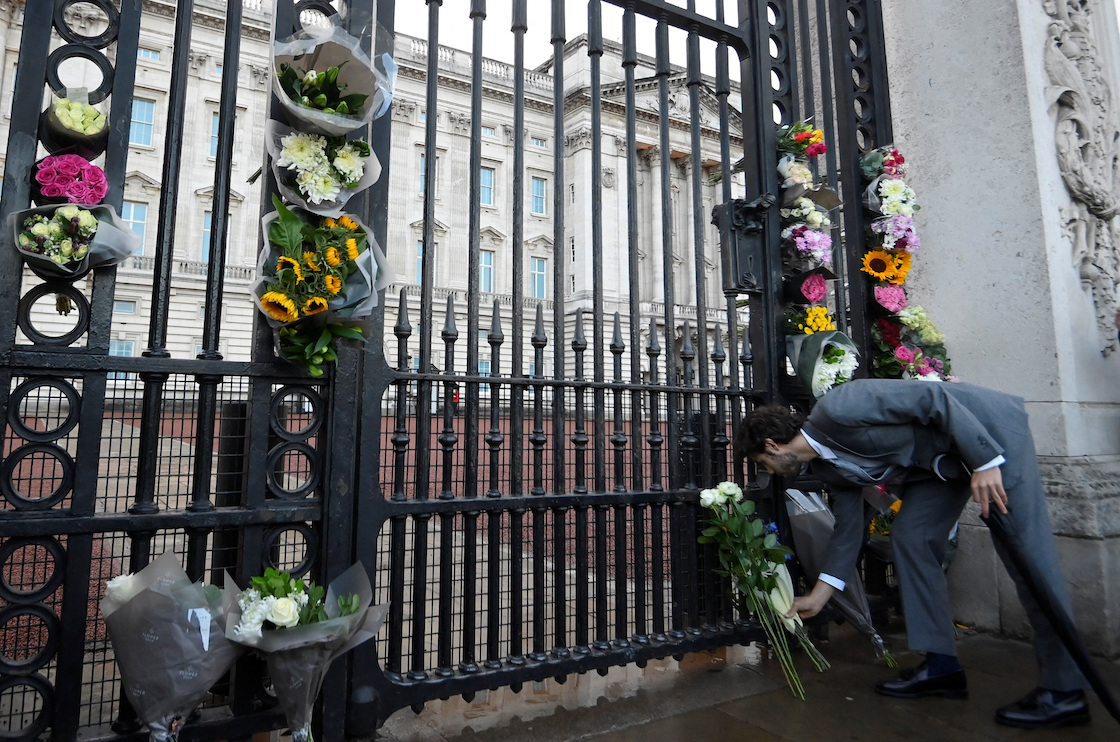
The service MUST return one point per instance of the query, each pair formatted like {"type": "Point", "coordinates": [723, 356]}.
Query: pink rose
{"type": "Point", "coordinates": [53, 190]}
{"type": "Point", "coordinates": [67, 167]}
{"type": "Point", "coordinates": [904, 354]}
{"type": "Point", "coordinates": [97, 193]}
{"type": "Point", "coordinates": [78, 192]}
{"type": "Point", "coordinates": [46, 175]}
{"type": "Point", "coordinates": [94, 175]}
{"type": "Point", "coordinates": [814, 287]}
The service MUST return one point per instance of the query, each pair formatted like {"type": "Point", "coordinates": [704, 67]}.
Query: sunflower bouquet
{"type": "Point", "coordinates": [312, 269]}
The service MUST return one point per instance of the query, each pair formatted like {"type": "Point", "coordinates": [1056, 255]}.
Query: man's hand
{"type": "Point", "coordinates": [987, 487]}
{"type": "Point", "coordinates": [810, 605]}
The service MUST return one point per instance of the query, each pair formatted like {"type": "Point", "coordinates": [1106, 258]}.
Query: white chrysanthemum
{"type": "Point", "coordinates": [892, 188]}
{"type": "Point", "coordinates": [253, 617]}
{"type": "Point", "coordinates": [303, 152]}
{"type": "Point", "coordinates": [350, 164]}
{"type": "Point", "coordinates": [824, 378]}
{"type": "Point", "coordinates": [318, 187]}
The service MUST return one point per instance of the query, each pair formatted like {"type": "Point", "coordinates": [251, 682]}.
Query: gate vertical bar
{"type": "Point", "coordinates": [858, 23]}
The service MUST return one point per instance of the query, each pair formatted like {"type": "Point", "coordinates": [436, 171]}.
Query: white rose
{"type": "Point", "coordinates": [709, 498]}
{"type": "Point", "coordinates": [284, 613]}
{"type": "Point", "coordinates": [814, 218]}
{"type": "Point", "coordinates": [730, 491]}
{"type": "Point", "coordinates": [121, 588]}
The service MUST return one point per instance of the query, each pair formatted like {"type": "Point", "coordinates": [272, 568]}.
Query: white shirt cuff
{"type": "Point", "coordinates": [830, 580]}
{"type": "Point", "coordinates": [998, 460]}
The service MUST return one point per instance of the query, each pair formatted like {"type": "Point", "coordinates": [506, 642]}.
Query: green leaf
{"type": "Point", "coordinates": [286, 231]}
{"type": "Point", "coordinates": [345, 331]}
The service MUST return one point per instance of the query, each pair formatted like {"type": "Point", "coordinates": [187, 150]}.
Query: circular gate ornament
{"type": "Point", "coordinates": [18, 420]}
{"type": "Point", "coordinates": [63, 481]}
{"type": "Point", "coordinates": [51, 565]}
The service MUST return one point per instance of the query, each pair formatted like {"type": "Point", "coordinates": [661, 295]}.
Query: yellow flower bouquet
{"type": "Point", "coordinates": [313, 272]}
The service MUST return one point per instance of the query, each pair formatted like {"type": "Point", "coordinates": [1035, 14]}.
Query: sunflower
{"type": "Point", "coordinates": [314, 305]}
{"type": "Point", "coordinates": [352, 248]}
{"type": "Point", "coordinates": [312, 260]}
{"type": "Point", "coordinates": [880, 264]}
{"type": "Point", "coordinates": [330, 223]}
{"type": "Point", "coordinates": [286, 262]}
{"type": "Point", "coordinates": [334, 284]}
{"type": "Point", "coordinates": [901, 267]}
{"type": "Point", "coordinates": [349, 223]}
{"type": "Point", "coordinates": [279, 306]}
{"type": "Point", "coordinates": [332, 257]}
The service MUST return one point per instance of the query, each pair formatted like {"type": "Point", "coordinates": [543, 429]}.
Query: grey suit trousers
{"type": "Point", "coordinates": [919, 536]}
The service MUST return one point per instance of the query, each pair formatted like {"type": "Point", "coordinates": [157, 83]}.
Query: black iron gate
{"type": "Point", "coordinates": [524, 492]}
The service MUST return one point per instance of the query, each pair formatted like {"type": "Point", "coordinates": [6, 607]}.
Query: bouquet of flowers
{"type": "Point", "coordinates": [812, 524]}
{"type": "Point", "coordinates": [68, 179]}
{"type": "Point", "coordinates": [909, 345]}
{"type": "Point", "coordinates": [169, 638]}
{"type": "Point", "coordinates": [749, 554]}
{"type": "Point", "coordinates": [301, 628]}
{"type": "Point", "coordinates": [805, 248]}
{"type": "Point", "coordinates": [808, 320]}
{"type": "Point", "coordinates": [311, 266]}
{"type": "Point", "coordinates": [68, 241]}
{"type": "Point", "coordinates": [822, 360]}
{"type": "Point", "coordinates": [72, 122]}
{"type": "Point", "coordinates": [319, 172]}
{"type": "Point", "coordinates": [318, 74]}
{"type": "Point", "coordinates": [801, 140]}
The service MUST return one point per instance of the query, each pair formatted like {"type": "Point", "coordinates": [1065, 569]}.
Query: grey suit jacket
{"type": "Point", "coordinates": [926, 428]}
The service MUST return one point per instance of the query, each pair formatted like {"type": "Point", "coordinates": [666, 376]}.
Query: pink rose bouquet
{"type": "Point", "coordinates": [69, 179]}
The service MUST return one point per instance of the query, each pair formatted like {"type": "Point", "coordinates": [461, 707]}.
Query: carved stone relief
{"type": "Point", "coordinates": [608, 177]}
{"type": "Point", "coordinates": [403, 110]}
{"type": "Point", "coordinates": [460, 122]}
{"type": "Point", "coordinates": [578, 140]}
{"type": "Point", "coordinates": [1087, 134]}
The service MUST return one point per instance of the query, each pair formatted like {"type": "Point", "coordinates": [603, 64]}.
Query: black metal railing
{"type": "Point", "coordinates": [518, 473]}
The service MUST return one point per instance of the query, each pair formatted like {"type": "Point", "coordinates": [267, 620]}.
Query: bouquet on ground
{"type": "Point", "coordinates": [811, 524]}
{"type": "Point", "coordinates": [68, 178]}
{"type": "Point", "coordinates": [320, 172]}
{"type": "Point", "coordinates": [72, 123]}
{"type": "Point", "coordinates": [68, 241]}
{"type": "Point", "coordinates": [169, 638]}
{"type": "Point", "coordinates": [750, 555]}
{"type": "Point", "coordinates": [316, 271]}
{"type": "Point", "coordinates": [324, 80]}
{"type": "Point", "coordinates": [301, 628]}
{"type": "Point", "coordinates": [823, 359]}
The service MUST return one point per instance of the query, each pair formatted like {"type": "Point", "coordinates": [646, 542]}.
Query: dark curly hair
{"type": "Point", "coordinates": [769, 421]}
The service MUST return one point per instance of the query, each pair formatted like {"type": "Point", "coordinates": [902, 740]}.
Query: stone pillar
{"type": "Point", "coordinates": [1006, 111]}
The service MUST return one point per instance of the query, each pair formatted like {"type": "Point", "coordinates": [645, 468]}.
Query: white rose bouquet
{"type": "Point", "coordinates": [301, 628]}
{"type": "Point", "coordinates": [169, 640]}
{"type": "Point", "coordinates": [749, 554]}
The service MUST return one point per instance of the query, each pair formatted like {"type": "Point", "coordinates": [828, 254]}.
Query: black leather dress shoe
{"type": "Point", "coordinates": [1039, 709]}
{"type": "Point", "coordinates": [918, 683]}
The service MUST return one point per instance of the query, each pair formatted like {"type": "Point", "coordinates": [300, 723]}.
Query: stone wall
{"type": "Point", "coordinates": [1005, 114]}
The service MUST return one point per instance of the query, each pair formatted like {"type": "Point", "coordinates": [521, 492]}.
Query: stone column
{"type": "Point", "coordinates": [1006, 112]}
